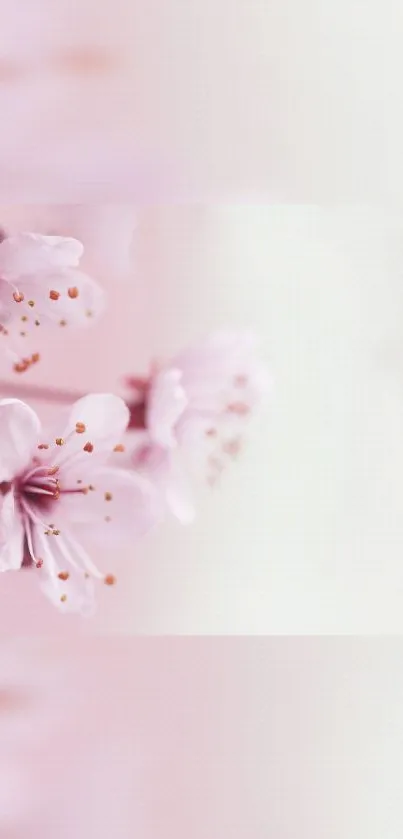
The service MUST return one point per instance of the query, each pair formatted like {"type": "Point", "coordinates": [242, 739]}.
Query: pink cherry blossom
{"type": "Point", "coordinates": [191, 414]}
{"type": "Point", "coordinates": [57, 490]}
{"type": "Point", "coordinates": [40, 285]}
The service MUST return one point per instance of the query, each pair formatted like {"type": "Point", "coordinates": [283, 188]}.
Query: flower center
{"type": "Point", "coordinates": [138, 407]}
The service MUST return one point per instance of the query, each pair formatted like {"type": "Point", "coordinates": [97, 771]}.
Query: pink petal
{"type": "Point", "coordinates": [75, 595]}
{"type": "Point", "coordinates": [19, 433]}
{"type": "Point", "coordinates": [104, 418]}
{"type": "Point", "coordinates": [30, 253]}
{"type": "Point", "coordinates": [166, 404]}
{"type": "Point", "coordinates": [162, 468]}
{"type": "Point", "coordinates": [64, 297]}
{"type": "Point", "coordinates": [121, 506]}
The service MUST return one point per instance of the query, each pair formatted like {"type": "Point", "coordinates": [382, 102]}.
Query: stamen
{"type": "Point", "coordinates": [37, 323]}
{"type": "Point", "coordinates": [63, 575]}
{"type": "Point", "coordinates": [108, 496]}
{"type": "Point", "coordinates": [59, 441]}
{"type": "Point", "coordinates": [80, 427]}
{"type": "Point", "coordinates": [43, 446]}
{"type": "Point", "coordinates": [110, 580]}
{"type": "Point", "coordinates": [119, 448]}
{"type": "Point", "coordinates": [54, 295]}
{"type": "Point", "coordinates": [73, 292]}
{"type": "Point", "coordinates": [36, 490]}
{"type": "Point", "coordinates": [63, 598]}
{"type": "Point", "coordinates": [18, 297]}
{"type": "Point", "coordinates": [88, 447]}
{"type": "Point", "coordinates": [39, 563]}
{"type": "Point", "coordinates": [31, 303]}
{"type": "Point", "coordinates": [35, 358]}
{"type": "Point", "coordinates": [24, 318]}
{"type": "Point", "coordinates": [63, 323]}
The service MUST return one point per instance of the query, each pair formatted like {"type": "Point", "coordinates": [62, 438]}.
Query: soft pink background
{"type": "Point", "coordinates": [205, 100]}
{"type": "Point", "coordinates": [224, 738]}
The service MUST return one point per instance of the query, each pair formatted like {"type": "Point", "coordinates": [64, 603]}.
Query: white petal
{"type": "Point", "coordinates": [11, 534]}
{"type": "Point", "coordinates": [19, 433]}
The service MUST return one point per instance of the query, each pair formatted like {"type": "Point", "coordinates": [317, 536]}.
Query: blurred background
{"type": "Point", "coordinates": [201, 738]}
{"type": "Point", "coordinates": [202, 101]}
{"type": "Point", "coordinates": [305, 533]}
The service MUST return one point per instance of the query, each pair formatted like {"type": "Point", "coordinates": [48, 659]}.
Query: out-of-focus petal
{"type": "Point", "coordinates": [166, 403]}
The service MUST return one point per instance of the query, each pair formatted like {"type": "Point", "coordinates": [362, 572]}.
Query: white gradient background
{"type": "Point", "coordinates": [207, 100]}
{"type": "Point", "coordinates": [201, 738]}
{"type": "Point", "coordinates": [306, 533]}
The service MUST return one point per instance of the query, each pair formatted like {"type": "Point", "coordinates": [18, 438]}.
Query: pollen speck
{"type": "Point", "coordinates": [59, 441]}
{"type": "Point", "coordinates": [56, 532]}
{"type": "Point", "coordinates": [119, 448]}
{"type": "Point", "coordinates": [108, 518]}
{"type": "Point", "coordinates": [110, 580]}
{"type": "Point", "coordinates": [73, 292]}
{"type": "Point", "coordinates": [88, 447]}
{"type": "Point", "coordinates": [54, 295]}
{"type": "Point", "coordinates": [24, 318]}
{"type": "Point", "coordinates": [80, 427]}
{"type": "Point", "coordinates": [108, 496]}
{"type": "Point", "coordinates": [31, 303]}
{"type": "Point", "coordinates": [63, 323]}
{"type": "Point", "coordinates": [89, 313]}
{"type": "Point", "coordinates": [37, 323]}
{"type": "Point", "coordinates": [18, 297]}
{"type": "Point", "coordinates": [35, 358]}
{"type": "Point", "coordinates": [21, 366]}
{"type": "Point", "coordinates": [63, 598]}
{"type": "Point", "coordinates": [23, 334]}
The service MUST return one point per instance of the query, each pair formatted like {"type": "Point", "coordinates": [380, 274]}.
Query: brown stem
{"type": "Point", "coordinates": [44, 394]}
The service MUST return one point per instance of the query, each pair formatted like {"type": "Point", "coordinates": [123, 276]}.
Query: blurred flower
{"type": "Point", "coordinates": [54, 491]}
{"type": "Point", "coordinates": [191, 415]}
{"type": "Point", "coordinates": [40, 285]}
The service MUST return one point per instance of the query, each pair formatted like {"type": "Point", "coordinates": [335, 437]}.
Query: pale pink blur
{"type": "Point", "coordinates": [195, 738]}
{"type": "Point", "coordinates": [200, 101]}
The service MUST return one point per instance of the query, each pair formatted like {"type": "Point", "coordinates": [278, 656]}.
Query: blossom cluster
{"type": "Point", "coordinates": [112, 468]}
